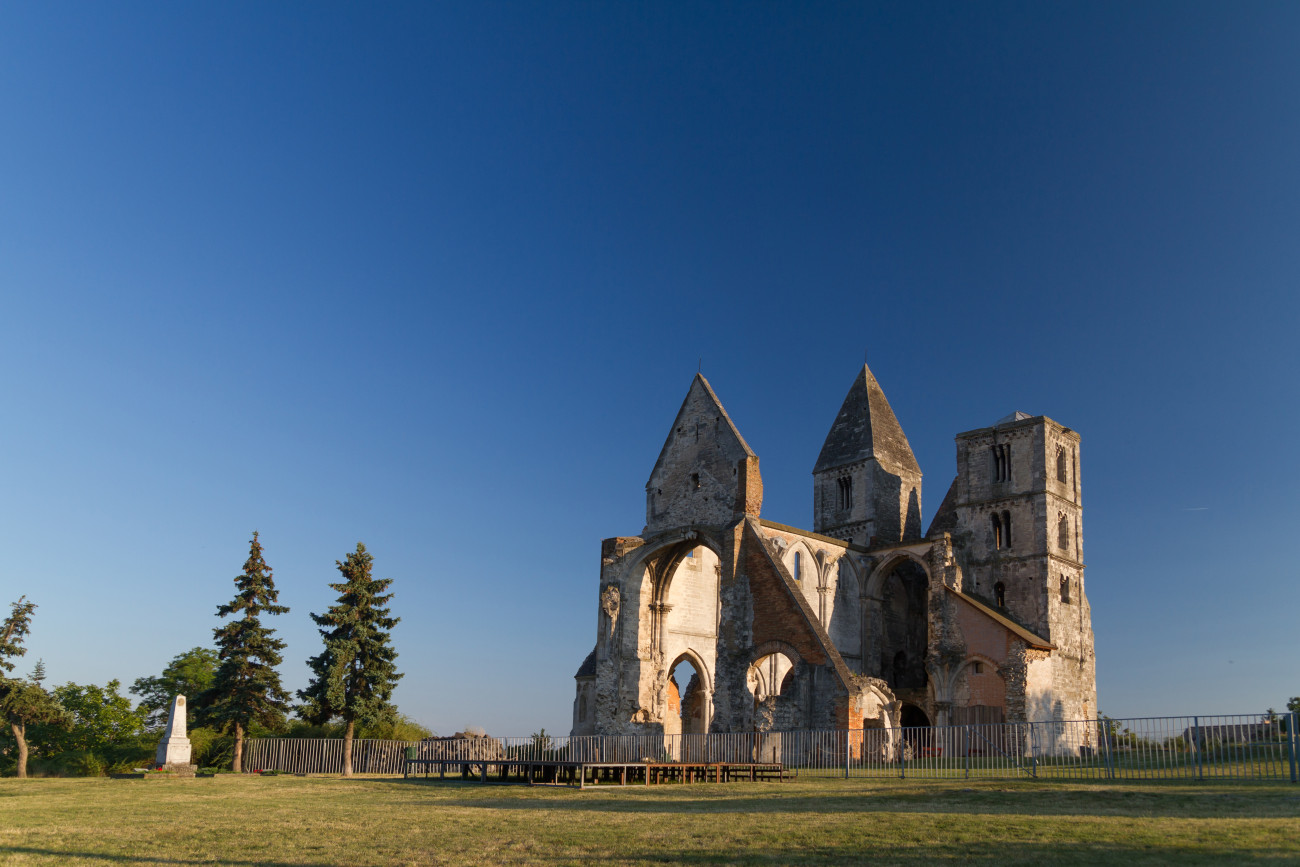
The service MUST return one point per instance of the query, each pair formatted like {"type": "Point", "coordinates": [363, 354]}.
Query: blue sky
{"type": "Point", "coordinates": [436, 277]}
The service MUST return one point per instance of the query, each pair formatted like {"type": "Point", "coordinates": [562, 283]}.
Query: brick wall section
{"type": "Point", "coordinates": [780, 611]}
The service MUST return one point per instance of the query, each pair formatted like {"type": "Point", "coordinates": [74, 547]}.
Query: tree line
{"type": "Point", "coordinates": [234, 690]}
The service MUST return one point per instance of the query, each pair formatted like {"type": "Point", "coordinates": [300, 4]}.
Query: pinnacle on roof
{"type": "Point", "coordinates": [866, 428]}
{"type": "Point", "coordinates": [1015, 416]}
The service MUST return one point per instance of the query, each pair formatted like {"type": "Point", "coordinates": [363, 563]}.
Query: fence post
{"type": "Point", "coordinates": [1291, 738]}
{"type": "Point", "coordinates": [968, 743]}
{"type": "Point", "coordinates": [1198, 740]}
{"type": "Point", "coordinates": [902, 754]}
{"type": "Point", "coordinates": [1033, 759]}
{"type": "Point", "coordinates": [846, 753]}
{"type": "Point", "coordinates": [1110, 753]}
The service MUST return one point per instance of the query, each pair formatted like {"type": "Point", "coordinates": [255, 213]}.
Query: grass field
{"type": "Point", "coordinates": [385, 821]}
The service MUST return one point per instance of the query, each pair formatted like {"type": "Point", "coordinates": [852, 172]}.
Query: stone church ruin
{"type": "Point", "coordinates": [864, 621]}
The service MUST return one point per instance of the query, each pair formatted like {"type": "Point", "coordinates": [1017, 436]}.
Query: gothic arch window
{"type": "Point", "coordinates": [695, 480]}
{"type": "Point", "coordinates": [846, 492]}
{"type": "Point", "coordinates": [1000, 594]}
{"type": "Point", "coordinates": [1065, 589]}
{"type": "Point", "coordinates": [798, 574]}
{"type": "Point", "coordinates": [1062, 531]}
{"type": "Point", "coordinates": [1006, 529]}
{"type": "Point", "coordinates": [997, 531]}
{"type": "Point", "coordinates": [1061, 464]}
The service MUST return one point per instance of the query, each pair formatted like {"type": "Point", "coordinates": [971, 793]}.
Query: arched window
{"type": "Point", "coordinates": [997, 531]}
{"type": "Point", "coordinates": [1060, 464]}
{"type": "Point", "coordinates": [846, 492]}
{"type": "Point", "coordinates": [1065, 589]}
{"type": "Point", "coordinates": [1000, 594]}
{"type": "Point", "coordinates": [1062, 531]}
{"type": "Point", "coordinates": [695, 480]}
{"type": "Point", "coordinates": [1006, 529]}
{"type": "Point", "coordinates": [1002, 462]}
{"type": "Point", "coordinates": [798, 573]}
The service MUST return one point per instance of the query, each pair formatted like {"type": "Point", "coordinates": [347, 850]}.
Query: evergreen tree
{"type": "Point", "coordinates": [246, 687]}
{"type": "Point", "coordinates": [23, 701]}
{"type": "Point", "coordinates": [354, 678]}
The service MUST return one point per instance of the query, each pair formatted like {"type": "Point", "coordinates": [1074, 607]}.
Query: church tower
{"type": "Point", "coordinates": [1018, 528]}
{"type": "Point", "coordinates": [866, 484]}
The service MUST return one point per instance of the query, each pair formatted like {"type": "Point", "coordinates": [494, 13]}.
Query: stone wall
{"type": "Point", "coordinates": [788, 628]}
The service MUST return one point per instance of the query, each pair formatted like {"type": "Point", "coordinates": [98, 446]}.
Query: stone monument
{"type": "Point", "coordinates": [174, 748]}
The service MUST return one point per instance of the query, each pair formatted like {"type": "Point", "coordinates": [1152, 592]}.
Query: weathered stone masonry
{"type": "Point", "coordinates": [863, 621]}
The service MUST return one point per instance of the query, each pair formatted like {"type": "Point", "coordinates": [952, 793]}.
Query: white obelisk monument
{"type": "Point", "coordinates": [174, 748]}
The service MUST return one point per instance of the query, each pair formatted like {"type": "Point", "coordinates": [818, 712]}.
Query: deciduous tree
{"type": "Point", "coordinates": [22, 701]}
{"type": "Point", "coordinates": [101, 719]}
{"type": "Point", "coordinates": [189, 674]}
{"type": "Point", "coordinates": [246, 687]}
{"type": "Point", "coordinates": [353, 678]}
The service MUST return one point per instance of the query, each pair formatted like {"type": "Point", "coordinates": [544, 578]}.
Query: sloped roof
{"type": "Point", "coordinates": [865, 428]}
{"type": "Point", "coordinates": [588, 667]}
{"type": "Point", "coordinates": [1033, 640]}
{"type": "Point", "coordinates": [945, 519]}
{"type": "Point", "coordinates": [700, 388]}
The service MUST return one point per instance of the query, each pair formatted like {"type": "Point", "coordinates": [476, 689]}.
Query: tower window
{"type": "Point", "coordinates": [1065, 589]}
{"type": "Point", "coordinates": [846, 492]}
{"type": "Point", "coordinates": [1060, 464]}
{"type": "Point", "coordinates": [977, 668]}
{"type": "Point", "coordinates": [695, 480]}
{"type": "Point", "coordinates": [1002, 462]}
{"type": "Point", "coordinates": [1062, 531]}
{"type": "Point", "coordinates": [797, 573]}
{"type": "Point", "coordinates": [1001, 530]}
{"type": "Point", "coordinates": [1000, 594]}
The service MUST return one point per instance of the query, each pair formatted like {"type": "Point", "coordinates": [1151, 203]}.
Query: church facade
{"type": "Point", "coordinates": [865, 620]}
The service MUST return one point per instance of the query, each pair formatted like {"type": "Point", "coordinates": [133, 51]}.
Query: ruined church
{"type": "Point", "coordinates": [864, 621]}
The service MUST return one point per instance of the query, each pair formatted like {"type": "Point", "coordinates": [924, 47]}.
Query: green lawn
{"type": "Point", "coordinates": [329, 821]}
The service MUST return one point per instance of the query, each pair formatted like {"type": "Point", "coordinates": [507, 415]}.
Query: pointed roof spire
{"type": "Point", "coordinates": [706, 472]}
{"type": "Point", "coordinates": [865, 428]}
{"type": "Point", "coordinates": [702, 394]}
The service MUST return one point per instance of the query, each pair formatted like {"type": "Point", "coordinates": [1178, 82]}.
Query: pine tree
{"type": "Point", "coordinates": [246, 687]}
{"type": "Point", "coordinates": [354, 678]}
{"type": "Point", "coordinates": [23, 701]}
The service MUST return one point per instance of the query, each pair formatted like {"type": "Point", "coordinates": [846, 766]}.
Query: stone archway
{"type": "Point", "coordinates": [895, 624]}
{"type": "Point", "coordinates": [694, 705]}
{"type": "Point", "coordinates": [660, 609]}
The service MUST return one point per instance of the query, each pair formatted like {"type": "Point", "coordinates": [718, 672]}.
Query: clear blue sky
{"type": "Point", "coordinates": [436, 277]}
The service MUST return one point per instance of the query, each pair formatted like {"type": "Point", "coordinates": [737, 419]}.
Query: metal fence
{"type": "Point", "coordinates": [1244, 747]}
{"type": "Point", "coordinates": [323, 755]}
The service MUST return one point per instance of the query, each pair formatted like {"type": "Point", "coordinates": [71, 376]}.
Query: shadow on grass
{"type": "Point", "coordinates": [63, 855]}
{"type": "Point", "coordinates": [1008, 853]}
{"type": "Point", "coordinates": [1048, 802]}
